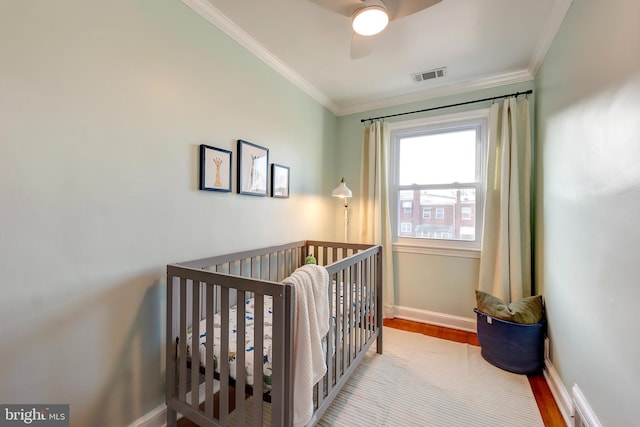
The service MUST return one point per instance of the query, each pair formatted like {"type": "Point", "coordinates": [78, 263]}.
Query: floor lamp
{"type": "Point", "coordinates": [343, 192]}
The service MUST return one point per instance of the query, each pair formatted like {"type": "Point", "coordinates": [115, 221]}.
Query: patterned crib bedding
{"type": "Point", "coordinates": [233, 340]}
{"type": "Point", "coordinates": [249, 336]}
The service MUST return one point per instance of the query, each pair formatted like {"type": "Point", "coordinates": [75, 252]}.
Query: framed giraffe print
{"type": "Point", "coordinates": [215, 169]}
{"type": "Point", "coordinates": [252, 169]}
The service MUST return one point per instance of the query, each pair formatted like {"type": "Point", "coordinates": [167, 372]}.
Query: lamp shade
{"type": "Point", "coordinates": [342, 190]}
{"type": "Point", "coordinates": [369, 20]}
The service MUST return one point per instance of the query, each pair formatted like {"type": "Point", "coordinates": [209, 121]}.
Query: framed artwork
{"type": "Point", "coordinates": [215, 169]}
{"type": "Point", "coordinates": [279, 181]}
{"type": "Point", "coordinates": [253, 163]}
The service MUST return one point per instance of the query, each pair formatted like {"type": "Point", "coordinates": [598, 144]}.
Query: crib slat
{"type": "Point", "coordinates": [282, 359]}
{"type": "Point", "coordinates": [195, 346]}
{"type": "Point", "coordinates": [357, 309]}
{"type": "Point", "coordinates": [209, 365]}
{"type": "Point", "coordinates": [286, 263]}
{"type": "Point", "coordinates": [378, 299]}
{"type": "Point", "coordinates": [224, 356]}
{"type": "Point", "coordinates": [352, 315]}
{"type": "Point", "coordinates": [282, 263]}
{"type": "Point", "coordinates": [331, 336]}
{"type": "Point", "coordinates": [258, 345]}
{"type": "Point", "coordinates": [371, 292]}
{"type": "Point", "coordinates": [182, 340]}
{"type": "Point", "coordinates": [260, 261]}
{"type": "Point", "coordinates": [365, 301]}
{"type": "Point", "coordinates": [362, 311]}
{"type": "Point", "coordinates": [255, 264]}
{"type": "Point", "coordinates": [293, 259]}
{"type": "Point", "coordinates": [341, 329]}
{"type": "Point", "coordinates": [240, 358]}
{"type": "Point", "coordinates": [355, 327]}
{"type": "Point", "coordinates": [345, 320]}
{"type": "Point", "coordinates": [171, 354]}
{"type": "Point", "coordinates": [275, 270]}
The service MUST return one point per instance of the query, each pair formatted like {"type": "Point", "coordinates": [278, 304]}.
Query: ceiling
{"type": "Point", "coordinates": [482, 44]}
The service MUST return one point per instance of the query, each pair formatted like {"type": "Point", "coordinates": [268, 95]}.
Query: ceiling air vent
{"type": "Point", "coordinates": [428, 75]}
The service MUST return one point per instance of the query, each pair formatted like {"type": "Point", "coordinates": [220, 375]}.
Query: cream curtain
{"type": "Point", "coordinates": [505, 261]}
{"type": "Point", "coordinates": [375, 224]}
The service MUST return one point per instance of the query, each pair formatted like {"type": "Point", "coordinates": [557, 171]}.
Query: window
{"type": "Point", "coordinates": [439, 164]}
{"type": "Point", "coordinates": [407, 207]}
{"type": "Point", "coordinates": [405, 227]}
{"type": "Point", "coordinates": [465, 212]}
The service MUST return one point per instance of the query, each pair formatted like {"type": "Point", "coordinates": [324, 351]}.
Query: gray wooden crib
{"type": "Point", "coordinates": [204, 299]}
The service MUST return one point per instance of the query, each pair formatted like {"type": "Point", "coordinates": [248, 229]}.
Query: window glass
{"type": "Point", "coordinates": [438, 158]}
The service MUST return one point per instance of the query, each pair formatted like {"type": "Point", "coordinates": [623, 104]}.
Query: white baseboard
{"type": "Point", "coordinates": [559, 392]}
{"type": "Point", "coordinates": [583, 410]}
{"type": "Point", "coordinates": [438, 319]}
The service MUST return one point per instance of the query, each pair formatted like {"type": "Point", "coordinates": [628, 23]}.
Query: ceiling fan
{"type": "Point", "coordinates": [370, 17]}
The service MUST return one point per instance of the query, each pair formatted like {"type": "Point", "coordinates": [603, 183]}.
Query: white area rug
{"type": "Point", "coordinates": [425, 381]}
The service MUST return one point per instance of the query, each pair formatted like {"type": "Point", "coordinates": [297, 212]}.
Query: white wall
{"type": "Point", "coordinates": [102, 108]}
{"type": "Point", "coordinates": [428, 283]}
{"type": "Point", "coordinates": [588, 234]}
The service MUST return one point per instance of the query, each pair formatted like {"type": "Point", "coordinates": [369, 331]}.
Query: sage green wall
{"type": "Point", "coordinates": [102, 108]}
{"type": "Point", "coordinates": [588, 240]}
{"type": "Point", "coordinates": [435, 283]}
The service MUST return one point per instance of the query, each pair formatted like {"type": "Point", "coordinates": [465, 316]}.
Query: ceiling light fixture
{"type": "Point", "coordinates": [369, 20]}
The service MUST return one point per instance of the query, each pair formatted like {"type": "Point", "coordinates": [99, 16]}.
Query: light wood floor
{"type": "Point", "coordinates": [546, 403]}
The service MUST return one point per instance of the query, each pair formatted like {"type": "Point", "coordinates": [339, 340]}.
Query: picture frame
{"type": "Point", "coordinates": [253, 172]}
{"type": "Point", "coordinates": [280, 179]}
{"type": "Point", "coordinates": [215, 169]}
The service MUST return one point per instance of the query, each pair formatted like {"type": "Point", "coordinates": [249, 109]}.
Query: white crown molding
{"type": "Point", "coordinates": [452, 89]}
{"type": "Point", "coordinates": [217, 18]}
{"type": "Point", "coordinates": [556, 17]}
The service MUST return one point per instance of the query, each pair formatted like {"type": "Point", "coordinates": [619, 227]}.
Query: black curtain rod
{"type": "Point", "coordinates": [448, 106]}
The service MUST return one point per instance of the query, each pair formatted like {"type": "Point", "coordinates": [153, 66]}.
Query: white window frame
{"type": "Point", "coordinates": [406, 128]}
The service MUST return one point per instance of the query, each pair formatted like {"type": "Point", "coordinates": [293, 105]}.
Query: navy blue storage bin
{"type": "Point", "coordinates": [511, 346]}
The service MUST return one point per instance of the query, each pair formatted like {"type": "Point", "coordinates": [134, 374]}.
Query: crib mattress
{"type": "Point", "coordinates": [267, 370]}
{"type": "Point", "coordinates": [233, 340]}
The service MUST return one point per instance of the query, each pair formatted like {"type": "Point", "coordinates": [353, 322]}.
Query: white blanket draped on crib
{"type": "Point", "coordinates": [312, 324]}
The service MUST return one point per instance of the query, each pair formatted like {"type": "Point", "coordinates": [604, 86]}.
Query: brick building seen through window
{"type": "Point", "coordinates": [438, 214]}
